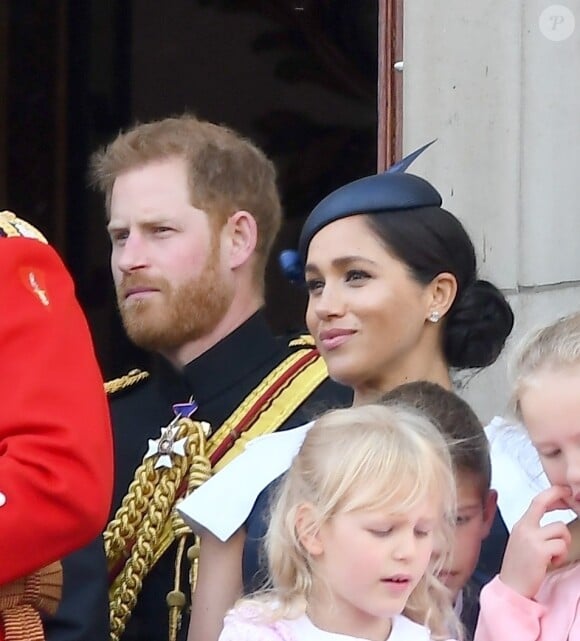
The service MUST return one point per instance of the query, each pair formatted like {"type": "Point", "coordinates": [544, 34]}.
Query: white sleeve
{"type": "Point", "coordinates": [223, 503]}
{"type": "Point", "coordinates": [516, 473]}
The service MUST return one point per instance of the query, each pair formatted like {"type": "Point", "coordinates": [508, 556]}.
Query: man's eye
{"type": "Point", "coordinates": [462, 519]}
{"type": "Point", "coordinates": [119, 236]}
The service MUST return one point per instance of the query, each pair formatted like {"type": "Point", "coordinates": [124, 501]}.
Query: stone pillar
{"type": "Point", "coordinates": [498, 84]}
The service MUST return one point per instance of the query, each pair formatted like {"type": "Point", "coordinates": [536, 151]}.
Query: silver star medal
{"type": "Point", "coordinates": [166, 446]}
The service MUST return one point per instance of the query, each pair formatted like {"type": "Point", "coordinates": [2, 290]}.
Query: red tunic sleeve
{"type": "Point", "coordinates": [56, 469]}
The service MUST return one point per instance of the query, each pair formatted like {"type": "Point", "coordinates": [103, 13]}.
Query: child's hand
{"type": "Point", "coordinates": [574, 548]}
{"type": "Point", "coordinates": [532, 548]}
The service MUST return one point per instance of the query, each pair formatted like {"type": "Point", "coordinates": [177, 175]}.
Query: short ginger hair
{"type": "Point", "coordinates": [226, 172]}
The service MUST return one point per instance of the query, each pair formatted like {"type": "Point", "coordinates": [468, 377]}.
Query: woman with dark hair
{"type": "Point", "coordinates": [393, 297]}
{"type": "Point", "coordinates": [413, 273]}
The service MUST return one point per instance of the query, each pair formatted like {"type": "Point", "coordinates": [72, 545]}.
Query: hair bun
{"type": "Point", "coordinates": [477, 327]}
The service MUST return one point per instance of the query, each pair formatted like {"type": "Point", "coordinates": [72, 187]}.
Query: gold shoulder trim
{"type": "Point", "coordinates": [11, 226]}
{"type": "Point", "coordinates": [123, 382]}
{"type": "Point", "coordinates": [304, 340]}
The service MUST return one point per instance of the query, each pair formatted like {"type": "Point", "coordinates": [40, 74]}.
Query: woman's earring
{"type": "Point", "coordinates": [434, 317]}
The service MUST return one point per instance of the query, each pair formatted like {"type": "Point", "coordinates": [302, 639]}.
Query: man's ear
{"type": "Point", "coordinates": [307, 529]}
{"type": "Point", "coordinates": [489, 511]}
{"type": "Point", "coordinates": [241, 231]}
{"type": "Point", "coordinates": [442, 293]}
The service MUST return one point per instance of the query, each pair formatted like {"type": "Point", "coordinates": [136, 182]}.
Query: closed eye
{"type": "Point", "coordinates": [551, 454]}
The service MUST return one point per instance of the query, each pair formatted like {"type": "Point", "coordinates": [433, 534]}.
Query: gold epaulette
{"type": "Point", "coordinates": [304, 340]}
{"type": "Point", "coordinates": [13, 227]}
{"type": "Point", "coordinates": [124, 382]}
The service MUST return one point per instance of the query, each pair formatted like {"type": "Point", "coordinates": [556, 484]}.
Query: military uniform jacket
{"type": "Point", "coordinates": [56, 468]}
{"type": "Point", "coordinates": [218, 380]}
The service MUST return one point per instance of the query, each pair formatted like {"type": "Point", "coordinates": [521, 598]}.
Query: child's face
{"type": "Point", "coordinates": [550, 406]}
{"type": "Point", "coordinates": [475, 516]}
{"type": "Point", "coordinates": [369, 562]}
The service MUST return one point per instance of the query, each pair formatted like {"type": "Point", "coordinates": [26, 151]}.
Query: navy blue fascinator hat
{"type": "Point", "coordinates": [392, 190]}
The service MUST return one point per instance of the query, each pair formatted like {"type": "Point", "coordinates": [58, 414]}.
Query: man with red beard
{"type": "Point", "coordinates": [193, 211]}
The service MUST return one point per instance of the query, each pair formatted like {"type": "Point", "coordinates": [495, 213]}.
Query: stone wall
{"type": "Point", "coordinates": [498, 83]}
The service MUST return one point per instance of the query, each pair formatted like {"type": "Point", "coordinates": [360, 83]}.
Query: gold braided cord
{"type": "Point", "coordinates": [281, 408]}
{"type": "Point", "coordinates": [122, 527]}
{"type": "Point", "coordinates": [176, 600]}
{"type": "Point", "coordinates": [130, 580]}
{"type": "Point", "coordinates": [270, 419]}
{"type": "Point", "coordinates": [123, 382]}
{"type": "Point", "coordinates": [199, 472]}
{"type": "Point", "coordinates": [143, 523]}
{"type": "Point", "coordinates": [146, 511]}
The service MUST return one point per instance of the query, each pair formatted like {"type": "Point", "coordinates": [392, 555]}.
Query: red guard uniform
{"type": "Point", "coordinates": [56, 464]}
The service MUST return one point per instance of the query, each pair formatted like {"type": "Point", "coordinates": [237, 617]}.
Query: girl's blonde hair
{"type": "Point", "coordinates": [365, 457]}
{"type": "Point", "coordinates": [554, 347]}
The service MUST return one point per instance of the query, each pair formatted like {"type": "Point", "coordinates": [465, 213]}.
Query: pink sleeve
{"type": "Point", "coordinates": [238, 627]}
{"type": "Point", "coordinates": [505, 614]}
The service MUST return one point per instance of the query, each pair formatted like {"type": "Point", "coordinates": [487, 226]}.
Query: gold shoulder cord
{"type": "Point", "coordinates": [146, 522]}
{"type": "Point", "coordinates": [123, 382]}
{"type": "Point", "coordinates": [147, 507]}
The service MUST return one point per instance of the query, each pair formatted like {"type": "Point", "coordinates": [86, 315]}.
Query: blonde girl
{"type": "Point", "coordinates": [352, 532]}
{"type": "Point", "coordinates": [537, 593]}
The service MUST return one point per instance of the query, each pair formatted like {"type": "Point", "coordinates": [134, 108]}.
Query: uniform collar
{"type": "Point", "coordinates": [225, 364]}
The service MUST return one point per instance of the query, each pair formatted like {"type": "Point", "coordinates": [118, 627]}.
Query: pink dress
{"type": "Point", "coordinates": [242, 625]}
{"type": "Point", "coordinates": [553, 615]}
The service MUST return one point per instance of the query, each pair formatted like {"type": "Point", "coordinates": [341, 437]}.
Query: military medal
{"type": "Point", "coordinates": [166, 446]}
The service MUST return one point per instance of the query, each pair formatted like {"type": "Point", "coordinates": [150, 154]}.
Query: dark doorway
{"type": "Point", "coordinates": [297, 76]}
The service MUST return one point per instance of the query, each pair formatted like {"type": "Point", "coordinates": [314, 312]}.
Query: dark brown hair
{"type": "Point", "coordinates": [430, 241]}
{"type": "Point", "coordinates": [457, 422]}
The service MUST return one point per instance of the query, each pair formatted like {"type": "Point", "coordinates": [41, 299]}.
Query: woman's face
{"type": "Point", "coordinates": [365, 310]}
{"type": "Point", "coordinates": [550, 406]}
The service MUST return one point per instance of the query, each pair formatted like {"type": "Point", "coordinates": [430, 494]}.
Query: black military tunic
{"type": "Point", "coordinates": [218, 380]}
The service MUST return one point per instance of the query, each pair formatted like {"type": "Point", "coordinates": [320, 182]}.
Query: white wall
{"type": "Point", "coordinates": [503, 99]}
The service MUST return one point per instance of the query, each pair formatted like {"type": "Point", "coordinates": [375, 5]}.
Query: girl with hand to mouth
{"type": "Point", "coordinates": [536, 595]}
